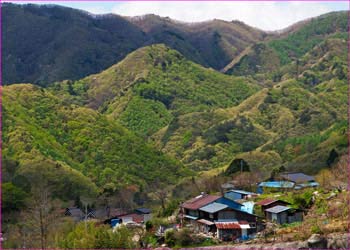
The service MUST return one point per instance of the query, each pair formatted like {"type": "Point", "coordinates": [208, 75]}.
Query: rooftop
{"type": "Point", "coordinates": [240, 191]}
{"type": "Point", "coordinates": [206, 222]}
{"type": "Point", "coordinates": [277, 184]}
{"type": "Point", "coordinates": [269, 201]}
{"type": "Point", "coordinates": [232, 225]}
{"type": "Point", "coordinates": [213, 207]}
{"type": "Point", "coordinates": [200, 201]}
{"type": "Point", "coordinates": [227, 225]}
{"type": "Point", "coordinates": [277, 209]}
{"type": "Point", "coordinates": [297, 177]}
{"type": "Point", "coordinates": [143, 210]}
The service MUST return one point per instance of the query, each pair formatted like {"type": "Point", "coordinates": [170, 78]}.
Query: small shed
{"type": "Point", "coordinates": [269, 202]}
{"type": "Point", "coordinates": [278, 213]}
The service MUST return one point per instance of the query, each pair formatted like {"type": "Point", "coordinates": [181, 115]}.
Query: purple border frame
{"type": "Point", "coordinates": [348, 56]}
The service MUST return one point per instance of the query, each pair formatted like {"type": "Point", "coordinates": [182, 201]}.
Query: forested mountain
{"type": "Point", "coordinates": [128, 107]}
{"type": "Point", "coordinates": [290, 45]}
{"type": "Point", "coordinates": [63, 43]}
{"type": "Point", "coordinates": [76, 150]}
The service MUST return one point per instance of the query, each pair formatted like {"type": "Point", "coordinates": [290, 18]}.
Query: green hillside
{"type": "Point", "coordinates": [290, 46]}
{"type": "Point", "coordinates": [163, 83]}
{"type": "Point", "coordinates": [89, 150]}
{"type": "Point", "coordinates": [206, 119]}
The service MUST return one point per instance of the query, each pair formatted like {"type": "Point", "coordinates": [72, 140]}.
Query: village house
{"type": "Point", "coordinates": [288, 181]}
{"type": "Point", "coordinates": [268, 203]}
{"type": "Point", "coordinates": [105, 213]}
{"type": "Point", "coordinates": [283, 214]}
{"type": "Point", "coordinates": [301, 180]}
{"type": "Point", "coordinates": [190, 208]}
{"type": "Point", "coordinates": [120, 216]}
{"type": "Point", "coordinates": [232, 230]}
{"type": "Point", "coordinates": [219, 216]}
{"type": "Point", "coordinates": [275, 185]}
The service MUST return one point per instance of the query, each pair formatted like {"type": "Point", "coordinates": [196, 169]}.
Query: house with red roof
{"type": "Point", "coordinates": [190, 208]}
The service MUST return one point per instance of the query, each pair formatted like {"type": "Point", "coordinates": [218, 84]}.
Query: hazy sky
{"type": "Point", "coordinates": [264, 15]}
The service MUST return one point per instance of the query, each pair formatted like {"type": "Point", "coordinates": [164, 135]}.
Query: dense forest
{"type": "Point", "coordinates": [125, 118]}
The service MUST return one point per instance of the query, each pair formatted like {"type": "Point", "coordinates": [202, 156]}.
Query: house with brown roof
{"type": "Point", "coordinates": [190, 208]}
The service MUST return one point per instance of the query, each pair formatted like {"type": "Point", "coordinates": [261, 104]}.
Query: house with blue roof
{"type": "Point", "coordinates": [278, 185]}
{"type": "Point", "coordinates": [287, 181]}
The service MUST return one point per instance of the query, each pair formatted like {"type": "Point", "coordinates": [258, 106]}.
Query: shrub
{"type": "Point", "coordinates": [183, 237]}
{"type": "Point", "coordinates": [315, 229]}
{"type": "Point", "coordinates": [170, 237]}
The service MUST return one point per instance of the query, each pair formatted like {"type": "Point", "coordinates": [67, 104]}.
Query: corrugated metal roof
{"type": "Point", "coordinates": [277, 184]}
{"type": "Point", "coordinates": [227, 225]}
{"type": "Point", "coordinates": [277, 209]}
{"type": "Point", "coordinates": [297, 177]}
{"type": "Point", "coordinates": [206, 222]}
{"type": "Point", "coordinates": [240, 191]}
{"type": "Point", "coordinates": [200, 201]}
{"type": "Point", "coordinates": [213, 207]}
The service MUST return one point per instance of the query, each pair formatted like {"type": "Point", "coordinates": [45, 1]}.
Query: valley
{"type": "Point", "coordinates": [149, 112]}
